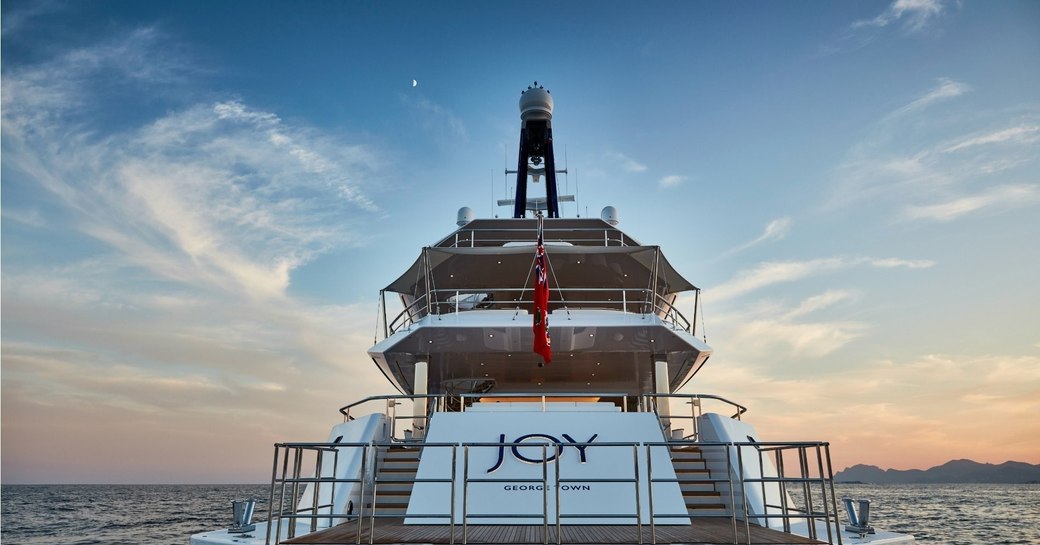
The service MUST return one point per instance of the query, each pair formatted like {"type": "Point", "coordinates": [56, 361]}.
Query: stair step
{"type": "Point", "coordinates": [689, 464]}
{"type": "Point", "coordinates": [690, 472]}
{"type": "Point", "coordinates": [391, 501]}
{"type": "Point", "coordinates": [402, 510]}
{"type": "Point", "coordinates": [695, 486]}
{"type": "Point", "coordinates": [402, 456]}
{"type": "Point", "coordinates": [394, 487]}
{"type": "Point", "coordinates": [397, 465]}
{"type": "Point", "coordinates": [395, 477]}
{"type": "Point", "coordinates": [700, 494]}
{"type": "Point", "coordinates": [706, 511]}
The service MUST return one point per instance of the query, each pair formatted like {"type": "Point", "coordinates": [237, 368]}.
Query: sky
{"type": "Point", "coordinates": [201, 201]}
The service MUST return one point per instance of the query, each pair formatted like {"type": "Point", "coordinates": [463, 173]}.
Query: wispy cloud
{"type": "Point", "coordinates": [672, 180]}
{"type": "Point", "coordinates": [771, 331]}
{"type": "Point", "coordinates": [946, 89]}
{"type": "Point", "coordinates": [997, 198]}
{"type": "Point", "coordinates": [231, 192]}
{"type": "Point", "coordinates": [177, 238]}
{"type": "Point", "coordinates": [624, 162]}
{"type": "Point", "coordinates": [777, 272]}
{"type": "Point", "coordinates": [1024, 134]}
{"type": "Point", "coordinates": [436, 120]}
{"type": "Point", "coordinates": [774, 230]}
{"type": "Point", "coordinates": [975, 392]}
{"type": "Point", "coordinates": [915, 14]}
{"type": "Point", "coordinates": [922, 162]}
{"type": "Point", "coordinates": [912, 17]}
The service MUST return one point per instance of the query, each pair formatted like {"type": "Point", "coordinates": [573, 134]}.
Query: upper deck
{"type": "Point", "coordinates": [467, 301]}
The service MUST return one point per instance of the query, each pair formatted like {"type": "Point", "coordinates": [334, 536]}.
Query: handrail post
{"type": "Point", "coordinates": [803, 462]}
{"type": "Point", "coordinates": [639, 506]}
{"type": "Point", "coordinates": [743, 492]}
{"type": "Point", "coordinates": [465, 493]}
{"type": "Point", "coordinates": [270, 498]}
{"type": "Point", "coordinates": [650, 493]}
{"type": "Point", "coordinates": [361, 490]}
{"type": "Point", "coordinates": [834, 502]}
{"type": "Point", "coordinates": [545, 495]}
{"type": "Point", "coordinates": [454, 458]}
{"type": "Point", "coordinates": [556, 471]}
{"type": "Point", "coordinates": [319, 454]}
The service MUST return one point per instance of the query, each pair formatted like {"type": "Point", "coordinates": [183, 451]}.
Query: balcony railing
{"type": "Point", "coordinates": [805, 490]}
{"type": "Point", "coordinates": [631, 300]}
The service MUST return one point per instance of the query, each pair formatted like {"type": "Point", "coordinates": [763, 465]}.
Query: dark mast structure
{"type": "Point", "coordinates": [536, 151]}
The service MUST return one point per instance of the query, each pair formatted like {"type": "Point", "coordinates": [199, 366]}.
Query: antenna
{"type": "Point", "coordinates": [577, 202]}
{"type": "Point", "coordinates": [566, 171]}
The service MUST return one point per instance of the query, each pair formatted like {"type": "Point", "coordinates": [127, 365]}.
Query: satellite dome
{"type": "Point", "coordinates": [535, 103]}
{"type": "Point", "coordinates": [609, 215]}
{"type": "Point", "coordinates": [465, 216]}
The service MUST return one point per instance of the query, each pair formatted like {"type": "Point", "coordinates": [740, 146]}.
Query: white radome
{"type": "Point", "coordinates": [536, 103]}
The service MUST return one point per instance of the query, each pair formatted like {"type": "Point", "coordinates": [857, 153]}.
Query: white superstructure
{"type": "Point", "coordinates": [487, 442]}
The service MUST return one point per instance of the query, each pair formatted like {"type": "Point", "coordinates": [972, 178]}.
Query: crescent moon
{"type": "Point", "coordinates": [414, 83]}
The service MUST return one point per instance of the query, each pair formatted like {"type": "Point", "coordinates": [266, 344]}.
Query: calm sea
{"type": "Point", "coordinates": [168, 514]}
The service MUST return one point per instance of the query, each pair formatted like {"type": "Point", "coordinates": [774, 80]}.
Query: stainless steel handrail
{"type": "Point", "coordinates": [545, 397]}
{"type": "Point", "coordinates": [651, 402]}
{"type": "Point", "coordinates": [458, 239]}
{"type": "Point", "coordinates": [815, 481]}
{"type": "Point", "coordinates": [440, 302]}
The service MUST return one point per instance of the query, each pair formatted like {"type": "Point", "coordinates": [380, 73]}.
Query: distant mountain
{"type": "Point", "coordinates": [954, 471]}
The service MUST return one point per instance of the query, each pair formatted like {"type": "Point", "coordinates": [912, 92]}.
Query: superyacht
{"type": "Point", "coordinates": [542, 367]}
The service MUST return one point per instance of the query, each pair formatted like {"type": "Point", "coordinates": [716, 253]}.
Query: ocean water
{"type": "Point", "coordinates": [960, 514]}
{"type": "Point", "coordinates": [118, 514]}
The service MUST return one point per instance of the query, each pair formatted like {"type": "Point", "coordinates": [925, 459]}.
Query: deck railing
{"type": "Point", "coordinates": [469, 238]}
{"type": "Point", "coordinates": [439, 302]}
{"type": "Point", "coordinates": [657, 403]}
{"type": "Point", "coordinates": [799, 495]}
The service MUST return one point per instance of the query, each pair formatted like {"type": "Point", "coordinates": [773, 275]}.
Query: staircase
{"type": "Point", "coordinates": [394, 480]}
{"type": "Point", "coordinates": [399, 465]}
{"type": "Point", "coordinates": [699, 492]}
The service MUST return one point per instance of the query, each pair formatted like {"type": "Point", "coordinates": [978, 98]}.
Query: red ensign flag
{"type": "Point", "coordinates": [542, 344]}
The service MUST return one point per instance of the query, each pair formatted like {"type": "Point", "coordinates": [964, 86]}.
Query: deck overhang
{"type": "Point", "coordinates": [600, 350]}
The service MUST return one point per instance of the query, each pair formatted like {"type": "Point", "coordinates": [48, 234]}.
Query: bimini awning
{"type": "Point", "coordinates": [489, 268]}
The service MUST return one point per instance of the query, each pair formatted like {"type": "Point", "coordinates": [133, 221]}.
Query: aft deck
{"type": "Point", "coordinates": [394, 530]}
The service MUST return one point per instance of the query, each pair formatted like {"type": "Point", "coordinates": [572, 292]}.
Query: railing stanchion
{"type": "Point", "coordinates": [465, 492]}
{"type": "Point", "coordinates": [834, 501]}
{"type": "Point", "coordinates": [650, 493]}
{"type": "Point", "coordinates": [639, 511]}
{"type": "Point", "coordinates": [454, 461]}
{"type": "Point", "coordinates": [270, 498]}
{"type": "Point", "coordinates": [545, 493]}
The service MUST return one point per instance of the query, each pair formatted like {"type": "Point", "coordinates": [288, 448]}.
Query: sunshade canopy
{"type": "Point", "coordinates": [570, 267]}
